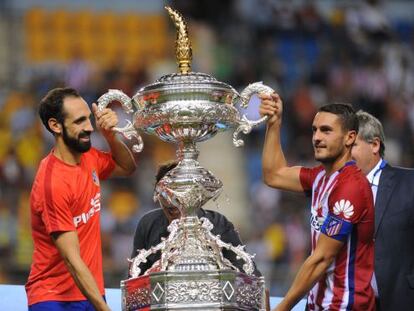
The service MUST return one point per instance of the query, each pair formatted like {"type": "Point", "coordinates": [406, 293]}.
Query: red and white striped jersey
{"type": "Point", "coordinates": [342, 208]}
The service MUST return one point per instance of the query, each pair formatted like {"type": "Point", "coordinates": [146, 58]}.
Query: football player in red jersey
{"type": "Point", "coordinates": [66, 273]}
{"type": "Point", "coordinates": [338, 272]}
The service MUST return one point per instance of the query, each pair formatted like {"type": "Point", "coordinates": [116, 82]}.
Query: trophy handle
{"type": "Point", "coordinates": [129, 130]}
{"type": "Point", "coordinates": [246, 125]}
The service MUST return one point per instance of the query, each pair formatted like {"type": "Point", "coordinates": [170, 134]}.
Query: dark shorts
{"type": "Point", "coordinates": [82, 305]}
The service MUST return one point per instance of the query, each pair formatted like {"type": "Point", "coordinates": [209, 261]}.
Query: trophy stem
{"type": "Point", "coordinates": [187, 151]}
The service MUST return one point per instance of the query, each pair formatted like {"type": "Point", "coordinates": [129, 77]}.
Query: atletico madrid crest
{"type": "Point", "coordinates": [334, 226]}
{"type": "Point", "coordinates": [95, 178]}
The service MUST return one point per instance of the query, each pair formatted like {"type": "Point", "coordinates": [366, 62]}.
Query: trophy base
{"type": "Point", "coordinates": [194, 290]}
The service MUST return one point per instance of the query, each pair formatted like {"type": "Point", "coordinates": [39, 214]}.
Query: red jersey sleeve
{"type": "Point", "coordinates": [307, 177]}
{"type": "Point", "coordinates": [104, 162]}
{"type": "Point", "coordinates": [349, 200]}
{"type": "Point", "coordinates": [56, 205]}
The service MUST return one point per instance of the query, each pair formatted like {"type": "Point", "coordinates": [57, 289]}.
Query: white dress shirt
{"type": "Point", "coordinates": [374, 178]}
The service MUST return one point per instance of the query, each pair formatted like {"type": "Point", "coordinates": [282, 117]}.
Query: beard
{"type": "Point", "coordinates": [74, 143]}
{"type": "Point", "coordinates": [328, 158]}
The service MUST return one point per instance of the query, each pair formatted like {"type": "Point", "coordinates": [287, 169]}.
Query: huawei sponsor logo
{"type": "Point", "coordinates": [344, 207]}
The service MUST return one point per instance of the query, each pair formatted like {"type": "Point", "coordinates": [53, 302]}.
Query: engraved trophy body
{"type": "Point", "coordinates": [185, 108]}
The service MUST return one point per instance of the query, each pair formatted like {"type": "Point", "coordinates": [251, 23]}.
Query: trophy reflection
{"type": "Point", "coordinates": [186, 108]}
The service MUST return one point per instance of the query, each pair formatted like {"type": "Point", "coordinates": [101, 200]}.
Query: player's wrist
{"type": "Point", "coordinates": [283, 306]}
{"type": "Point", "coordinates": [110, 136]}
{"type": "Point", "coordinates": [274, 125]}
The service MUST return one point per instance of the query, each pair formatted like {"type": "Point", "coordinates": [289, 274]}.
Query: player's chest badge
{"type": "Point", "coordinates": [95, 178]}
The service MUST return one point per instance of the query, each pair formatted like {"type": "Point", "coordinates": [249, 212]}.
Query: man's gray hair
{"type": "Point", "coordinates": [370, 128]}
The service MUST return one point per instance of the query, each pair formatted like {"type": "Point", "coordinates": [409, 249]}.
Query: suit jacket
{"type": "Point", "coordinates": [394, 239]}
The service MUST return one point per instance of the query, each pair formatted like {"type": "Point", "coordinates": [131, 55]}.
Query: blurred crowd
{"type": "Point", "coordinates": [311, 54]}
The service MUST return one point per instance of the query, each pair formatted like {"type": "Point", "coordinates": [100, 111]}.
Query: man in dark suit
{"type": "Point", "coordinates": [393, 193]}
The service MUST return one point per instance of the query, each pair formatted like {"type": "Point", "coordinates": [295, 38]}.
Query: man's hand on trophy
{"type": "Point", "coordinates": [106, 121]}
{"type": "Point", "coordinates": [271, 105]}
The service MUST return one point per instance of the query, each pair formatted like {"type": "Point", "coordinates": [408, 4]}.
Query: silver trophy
{"type": "Point", "coordinates": [185, 108]}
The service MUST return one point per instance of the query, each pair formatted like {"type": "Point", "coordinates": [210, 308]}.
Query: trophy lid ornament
{"type": "Point", "coordinates": [183, 49]}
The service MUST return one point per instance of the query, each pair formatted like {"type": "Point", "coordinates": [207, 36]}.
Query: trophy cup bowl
{"type": "Point", "coordinates": [189, 107]}
{"type": "Point", "coordinates": [186, 108]}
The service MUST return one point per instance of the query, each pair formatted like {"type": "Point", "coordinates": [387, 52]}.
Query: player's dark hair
{"type": "Point", "coordinates": [51, 106]}
{"type": "Point", "coordinates": [164, 168]}
{"type": "Point", "coordinates": [346, 114]}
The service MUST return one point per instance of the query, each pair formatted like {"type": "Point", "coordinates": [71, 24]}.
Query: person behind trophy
{"type": "Point", "coordinates": [338, 272]}
{"type": "Point", "coordinates": [66, 273]}
{"type": "Point", "coordinates": [153, 226]}
{"type": "Point", "coordinates": [393, 280]}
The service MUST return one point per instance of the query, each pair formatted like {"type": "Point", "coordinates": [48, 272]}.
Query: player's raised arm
{"type": "Point", "coordinates": [276, 173]}
{"type": "Point", "coordinates": [106, 120]}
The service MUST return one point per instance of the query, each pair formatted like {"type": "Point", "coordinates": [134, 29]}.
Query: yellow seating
{"type": "Point", "coordinates": [96, 36]}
